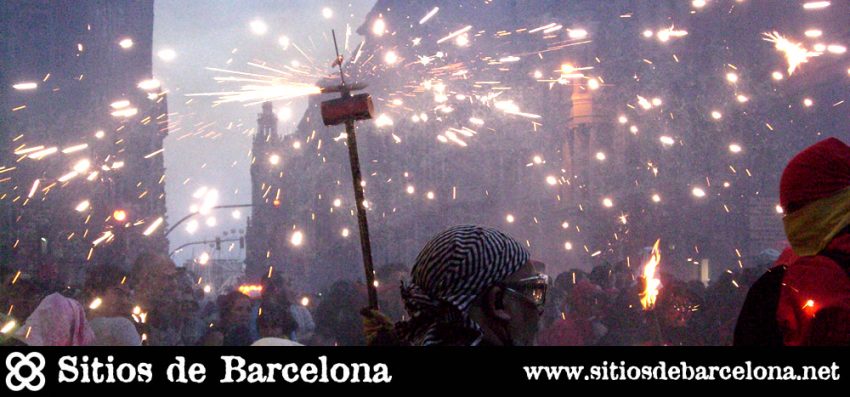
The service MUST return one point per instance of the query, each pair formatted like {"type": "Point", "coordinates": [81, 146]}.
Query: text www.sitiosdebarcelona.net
{"type": "Point", "coordinates": [681, 371]}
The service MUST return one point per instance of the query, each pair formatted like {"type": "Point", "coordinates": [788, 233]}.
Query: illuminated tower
{"type": "Point", "coordinates": [261, 224]}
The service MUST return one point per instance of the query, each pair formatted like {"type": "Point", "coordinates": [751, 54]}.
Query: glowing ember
{"type": "Point", "coordinates": [251, 290]}
{"type": "Point", "coordinates": [95, 303]}
{"type": "Point", "coordinates": [82, 206]}
{"type": "Point", "coordinates": [297, 238]}
{"type": "Point", "coordinates": [429, 15]}
{"type": "Point", "coordinates": [25, 86]}
{"type": "Point", "coordinates": [454, 34]}
{"type": "Point", "coordinates": [153, 226]}
{"type": "Point", "coordinates": [149, 85]}
{"type": "Point", "coordinates": [119, 215]}
{"type": "Point", "coordinates": [8, 327]}
{"type": "Point", "coordinates": [816, 5]}
{"type": "Point", "coordinates": [259, 27]}
{"type": "Point", "coordinates": [698, 192]}
{"type": "Point", "coordinates": [576, 33]}
{"type": "Point", "coordinates": [284, 42]}
{"type": "Point", "coordinates": [379, 27]}
{"type": "Point", "coordinates": [166, 55]}
{"type": "Point", "coordinates": [813, 33]}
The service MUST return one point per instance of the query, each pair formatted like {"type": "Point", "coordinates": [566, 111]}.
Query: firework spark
{"type": "Point", "coordinates": [258, 88]}
{"type": "Point", "coordinates": [455, 34]}
{"type": "Point", "coordinates": [429, 15]}
{"type": "Point", "coordinates": [795, 53]}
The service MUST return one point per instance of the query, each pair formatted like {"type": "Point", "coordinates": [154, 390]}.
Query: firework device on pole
{"type": "Point", "coordinates": [346, 110]}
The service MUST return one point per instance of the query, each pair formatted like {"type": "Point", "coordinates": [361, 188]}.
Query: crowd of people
{"type": "Point", "coordinates": [473, 285]}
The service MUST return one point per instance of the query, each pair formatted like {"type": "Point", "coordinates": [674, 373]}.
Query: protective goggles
{"type": "Point", "coordinates": [530, 289]}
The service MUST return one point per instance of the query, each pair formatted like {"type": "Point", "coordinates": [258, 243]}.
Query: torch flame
{"type": "Point", "coordinates": [650, 292]}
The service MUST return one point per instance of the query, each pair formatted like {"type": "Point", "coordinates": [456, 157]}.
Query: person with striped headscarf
{"type": "Point", "coordinates": [472, 285]}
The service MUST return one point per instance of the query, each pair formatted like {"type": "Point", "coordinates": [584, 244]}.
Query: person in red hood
{"type": "Point", "coordinates": [810, 293]}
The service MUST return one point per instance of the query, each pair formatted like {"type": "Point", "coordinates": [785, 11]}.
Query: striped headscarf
{"type": "Point", "coordinates": [453, 269]}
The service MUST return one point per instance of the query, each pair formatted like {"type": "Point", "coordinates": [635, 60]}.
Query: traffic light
{"type": "Point", "coordinates": [241, 242]}
{"type": "Point", "coordinates": [218, 243]}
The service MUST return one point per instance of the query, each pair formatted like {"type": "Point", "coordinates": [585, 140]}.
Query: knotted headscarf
{"type": "Point", "coordinates": [57, 321]}
{"type": "Point", "coordinates": [453, 269]}
{"type": "Point", "coordinates": [815, 191]}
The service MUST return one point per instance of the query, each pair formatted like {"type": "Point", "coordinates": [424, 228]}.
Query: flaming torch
{"type": "Point", "coordinates": [650, 292]}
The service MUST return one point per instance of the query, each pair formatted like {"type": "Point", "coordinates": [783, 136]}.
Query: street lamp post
{"type": "Point", "coordinates": [192, 214]}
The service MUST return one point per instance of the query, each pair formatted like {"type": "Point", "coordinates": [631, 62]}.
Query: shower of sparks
{"type": "Point", "coordinates": [795, 53]}
{"type": "Point", "coordinates": [258, 88]}
{"type": "Point", "coordinates": [458, 96]}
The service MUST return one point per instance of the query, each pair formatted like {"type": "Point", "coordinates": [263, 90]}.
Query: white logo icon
{"type": "Point", "coordinates": [34, 380]}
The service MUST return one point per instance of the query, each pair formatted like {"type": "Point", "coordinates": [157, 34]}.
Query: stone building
{"type": "Point", "coordinates": [565, 124]}
{"type": "Point", "coordinates": [81, 65]}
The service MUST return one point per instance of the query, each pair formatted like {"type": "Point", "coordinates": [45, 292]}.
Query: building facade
{"type": "Point", "coordinates": [82, 136]}
{"type": "Point", "coordinates": [586, 146]}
